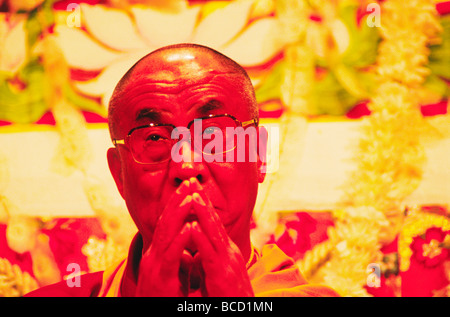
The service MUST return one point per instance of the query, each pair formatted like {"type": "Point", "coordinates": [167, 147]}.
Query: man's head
{"type": "Point", "coordinates": [175, 85]}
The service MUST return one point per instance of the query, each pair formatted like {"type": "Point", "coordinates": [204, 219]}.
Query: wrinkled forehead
{"type": "Point", "coordinates": [184, 66]}
{"type": "Point", "coordinates": [177, 71]}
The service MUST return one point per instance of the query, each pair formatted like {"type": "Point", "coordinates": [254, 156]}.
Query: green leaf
{"type": "Point", "coordinates": [27, 105]}
{"type": "Point", "coordinates": [364, 40]}
{"type": "Point", "coordinates": [350, 81]}
{"type": "Point", "coordinates": [439, 58]}
{"type": "Point", "coordinates": [33, 28]}
{"type": "Point", "coordinates": [331, 98]}
{"type": "Point", "coordinates": [436, 85]}
{"type": "Point", "coordinates": [39, 18]}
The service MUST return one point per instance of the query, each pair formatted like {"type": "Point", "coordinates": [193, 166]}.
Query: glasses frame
{"type": "Point", "coordinates": [125, 141]}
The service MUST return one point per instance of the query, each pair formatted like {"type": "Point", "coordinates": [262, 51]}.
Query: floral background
{"type": "Point", "coordinates": [380, 68]}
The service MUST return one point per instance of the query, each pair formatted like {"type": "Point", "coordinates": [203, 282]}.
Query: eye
{"type": "Point", "coordinates": [154, 134]}
{"type": "Point", "coordinates": [211, 130]}
{"type": "Point", "coordinates": [155, 137]}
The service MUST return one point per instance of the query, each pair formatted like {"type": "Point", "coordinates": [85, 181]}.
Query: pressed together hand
{"type": "Point", "coordinates": [191, 252]}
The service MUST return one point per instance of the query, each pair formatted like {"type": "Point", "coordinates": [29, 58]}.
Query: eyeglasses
{"type": "Point", "coordinates": [212, 135]}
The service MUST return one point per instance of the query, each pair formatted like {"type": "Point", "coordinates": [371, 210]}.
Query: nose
{"type": "Point", "coordinates": [189, 164]}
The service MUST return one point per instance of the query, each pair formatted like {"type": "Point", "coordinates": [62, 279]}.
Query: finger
{"type": "Point", "coordinates": [170, 259]}
{"type": "Point", "coordinates": [169, 227]}
{"type": "Point", "coordinates": [175, 200]}
{"type": "Point", "coordinates": [206, 252]}
{"type": "Point", "coordinates": [175, 250]}
{"type": "Point", "coordinates": [210, 222]}
{"type": "Point", "coordinates": [208, 218]}
{"type": "Point", "coordinates": [178, 260]}
{"type": "Point", "coordinates": [160, 273]}
{"type": "Point", "coordinates": [203, 200]}
{"type": "Point", "coordinates": [169, 213]}
{"type": "Point", "coordinates": [196, 187]}
{"type": "Point", "coordinates": [175, 258]}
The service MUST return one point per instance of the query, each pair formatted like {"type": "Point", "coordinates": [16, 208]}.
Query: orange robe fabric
{"type": "Point", "coordinates": [273, 274]}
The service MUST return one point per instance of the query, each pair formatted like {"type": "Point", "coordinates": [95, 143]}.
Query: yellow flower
{"type": "Point", "coordinates": [14, 282]}
{"type": "Point", "coordinates": [390, 154]}
{"type": "Point", "coordinates": [407, 28]}
{"type": "Point", "coordinates": [21, 233]}
{"type": "Point", "coordinates": [74, 148]}
{"type": "Point", "coordinates": [102, 254]}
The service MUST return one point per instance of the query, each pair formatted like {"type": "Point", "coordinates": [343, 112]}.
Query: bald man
{"type": "Point", "coordinates": [189, 184]}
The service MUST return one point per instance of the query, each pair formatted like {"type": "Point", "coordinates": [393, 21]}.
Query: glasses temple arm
{"type": "Point", "coordinates": [246, 123]}
{"type": "Point", "coordinates": [116, 142]}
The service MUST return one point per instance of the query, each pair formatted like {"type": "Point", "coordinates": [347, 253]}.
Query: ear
{"type": "Point", "coordinates": [115, 167]}
{"type": "Point", "coordinates": [262, 153]}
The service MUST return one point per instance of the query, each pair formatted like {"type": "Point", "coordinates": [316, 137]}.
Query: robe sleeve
{"type": "Point", "coordinates": [276, 275]}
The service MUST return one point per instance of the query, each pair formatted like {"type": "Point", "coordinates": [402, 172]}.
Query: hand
{"type": "Point", "coordinates": [223, 265]}
{"type": "Point", "coordinates": [160, 265]}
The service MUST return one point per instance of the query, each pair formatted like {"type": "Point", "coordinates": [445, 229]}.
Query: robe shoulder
{"type": "Point", "coordinates": [276, 275]}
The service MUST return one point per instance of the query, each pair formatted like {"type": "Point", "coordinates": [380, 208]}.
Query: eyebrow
{"type": "Point", "coordinates": [155, 115]}
{"type": "Point", "coordinates": [211, 105]}
{"type": "Point", "coordinates": [149, 114]}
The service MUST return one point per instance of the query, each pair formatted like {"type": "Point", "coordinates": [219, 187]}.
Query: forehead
{"type": "Point", "coordinates": [179, 64]}
{"type": "Point", "coordinates": [177, 83]}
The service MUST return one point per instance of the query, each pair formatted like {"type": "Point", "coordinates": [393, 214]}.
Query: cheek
{"type": "Point", "coordinates": [238, 183]}
{"type": "Point", "coordinates": [239, 186]}
{"type": "Point", "coordinates": [143, 192]}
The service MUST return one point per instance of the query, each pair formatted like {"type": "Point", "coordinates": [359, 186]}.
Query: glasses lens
{"type": "Point", "coordinates": [218, 135]}
{"type": "Point", "coordinates": [151, 144]}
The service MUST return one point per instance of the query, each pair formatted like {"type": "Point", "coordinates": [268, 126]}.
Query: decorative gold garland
{"type": "Point", "coordinates": [102, 254]}
{"type": "Point", "coordinates": [313, 259]}
{"type": "Point", "coordinates": [390, 155]}
{"type": "Point", "coordinates": [14, 282]}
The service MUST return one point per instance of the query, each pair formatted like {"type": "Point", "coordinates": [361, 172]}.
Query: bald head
{"type": "Point", "coordinates": [181, 63]}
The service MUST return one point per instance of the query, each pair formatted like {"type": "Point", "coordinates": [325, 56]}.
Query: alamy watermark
{"type": "Point", "coordinates": [232, 144]}
{"type": "Point", "coordinates": [374, 275]}
{"type": "Point", "coordinates": [74, 18]}
{"type": "Point", "coordinates": [73, 279]}
{"type": "Point", "coordinates": [374, 18]}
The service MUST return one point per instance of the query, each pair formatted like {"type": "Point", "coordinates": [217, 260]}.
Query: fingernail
{"type": "Point", "coordinates": [186, 200]}
{"type": "Point", "coordinates": [198, 199]}
{"type": "Point", "coordinates": [186, 228]}
{"type": "Point", "coordinates": [194, 225]}
{"type": "Point", "coordinates": [183, 185]}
